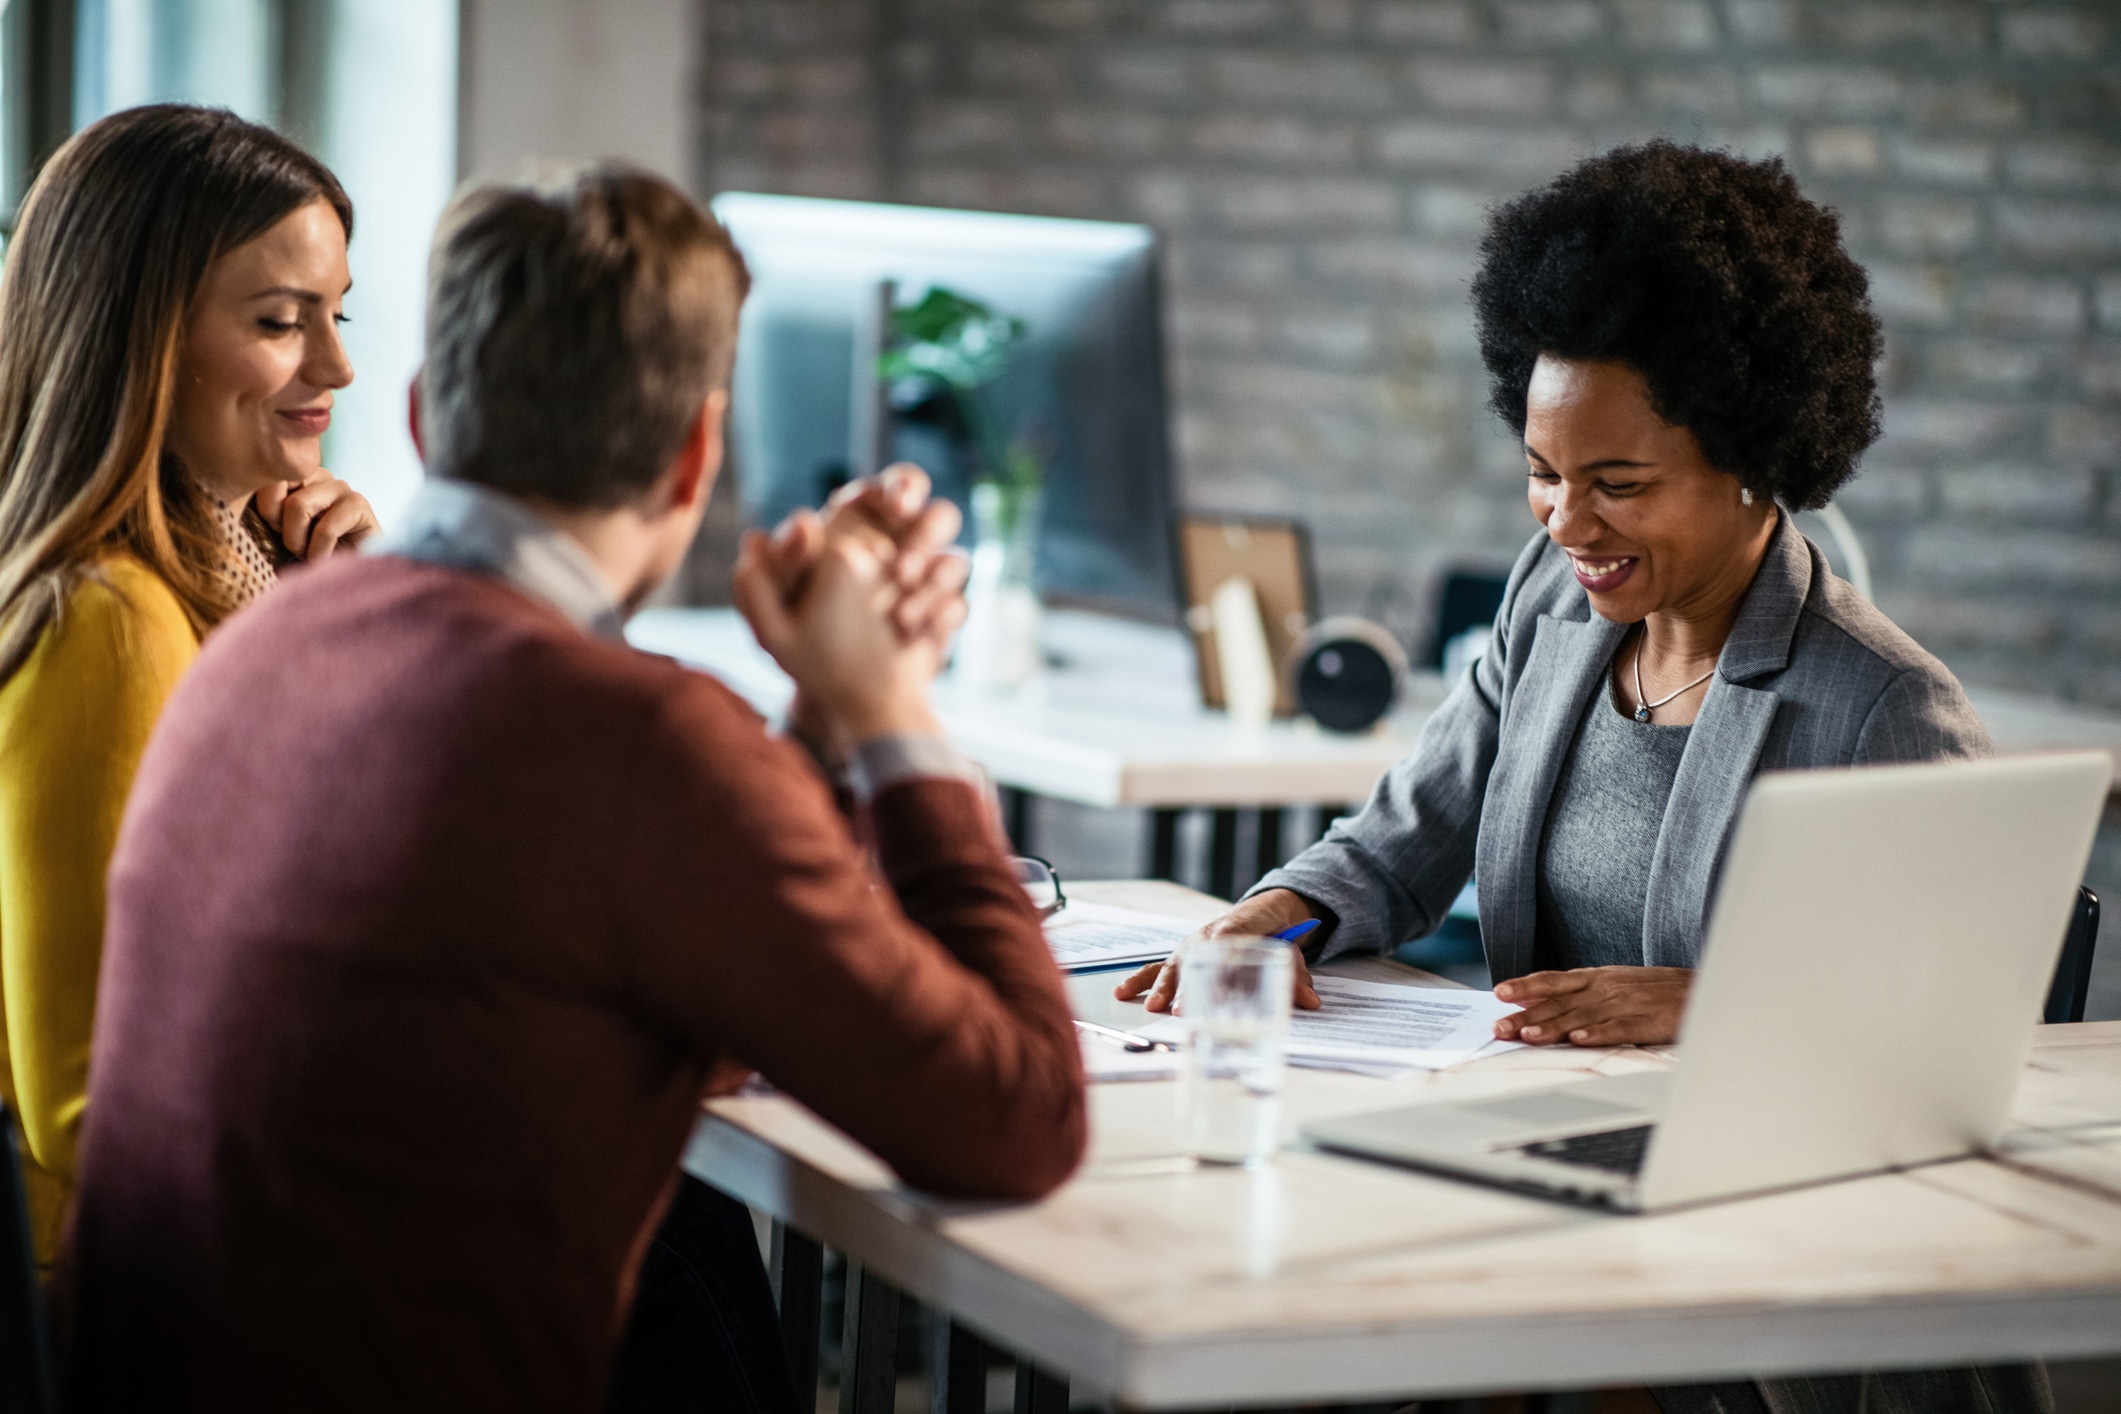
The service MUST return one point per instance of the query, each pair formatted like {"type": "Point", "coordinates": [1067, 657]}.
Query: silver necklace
{"type": "Point", "coordinates": [1643, 707]}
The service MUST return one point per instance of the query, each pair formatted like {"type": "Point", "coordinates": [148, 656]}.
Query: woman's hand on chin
{"type": "Point", "coordinates": [317, 516]}
{"type": "Point", "coordinates": [1596, 1006]}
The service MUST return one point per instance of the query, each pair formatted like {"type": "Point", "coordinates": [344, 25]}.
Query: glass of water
{"type": "Point", "coordinates": [1233, 995]}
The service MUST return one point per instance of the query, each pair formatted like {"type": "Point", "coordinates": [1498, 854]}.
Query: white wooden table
{"type": "Point", "coordinates": [1328, 1279]}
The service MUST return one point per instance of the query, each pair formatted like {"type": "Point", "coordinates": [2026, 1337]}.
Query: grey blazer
{"type": "Point", "coordinates": [1812, 676]}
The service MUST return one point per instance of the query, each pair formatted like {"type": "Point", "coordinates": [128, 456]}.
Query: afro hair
{"type": "Point", "coordinates": [1714, 278]}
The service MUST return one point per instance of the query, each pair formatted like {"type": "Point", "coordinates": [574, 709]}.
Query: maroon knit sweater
{"type": "Point", "coordinates": [430, 921]}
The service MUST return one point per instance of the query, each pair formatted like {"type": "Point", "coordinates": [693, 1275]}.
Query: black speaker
{"type": "Point", "coordinates": [1345, 673]}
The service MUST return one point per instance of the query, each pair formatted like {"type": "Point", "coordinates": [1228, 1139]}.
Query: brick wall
{"type": "Point", "coordinates": [1319, 170]}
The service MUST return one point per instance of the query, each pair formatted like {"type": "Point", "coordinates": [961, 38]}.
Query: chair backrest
{"type": "Point", "coordinates": [2073, 972]}
{"type": "Point", "coordinates": [26, 1385]}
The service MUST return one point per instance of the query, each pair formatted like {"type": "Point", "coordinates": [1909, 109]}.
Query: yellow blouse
{"type": "Point", "coordinates": [73, 722]}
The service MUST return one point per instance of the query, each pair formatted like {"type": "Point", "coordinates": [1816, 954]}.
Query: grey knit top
{"type": "Point", "coordinates": [1600, 836]}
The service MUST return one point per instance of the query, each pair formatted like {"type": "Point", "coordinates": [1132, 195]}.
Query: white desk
{"type": "Point", "coordinates": [1119, 722]}
{"type": "Point", "coordinates": [1328, 1279]}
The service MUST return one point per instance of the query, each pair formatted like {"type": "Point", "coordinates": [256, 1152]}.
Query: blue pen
{"type": "Point", "coordinates": [1296, 934]}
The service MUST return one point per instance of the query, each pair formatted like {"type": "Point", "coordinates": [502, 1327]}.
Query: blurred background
{"type": "Point", "coordinates": [1315, 172]}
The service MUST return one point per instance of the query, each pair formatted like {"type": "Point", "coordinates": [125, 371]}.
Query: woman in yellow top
{"type": "Point", "coordinates": [168, 352]}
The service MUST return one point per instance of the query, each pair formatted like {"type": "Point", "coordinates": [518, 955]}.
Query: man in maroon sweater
{"type": "Point", "coordinates": [437, 909]}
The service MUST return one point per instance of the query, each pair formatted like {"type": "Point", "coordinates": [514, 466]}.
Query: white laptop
{"type": "Point", "coordinates": [1876, 961]}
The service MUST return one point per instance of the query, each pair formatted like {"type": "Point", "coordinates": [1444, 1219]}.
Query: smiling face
{"type": "Point", "coordinates": [262, 357]}
{"type": "Point", "coordinates": [1649, 526]}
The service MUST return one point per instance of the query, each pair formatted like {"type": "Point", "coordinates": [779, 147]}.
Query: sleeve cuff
{"type": "Point", "coordinates": [877, 765]}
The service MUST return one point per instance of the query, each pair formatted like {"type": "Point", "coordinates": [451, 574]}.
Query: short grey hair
{"type": "Point", "coordinates": [574, 328]}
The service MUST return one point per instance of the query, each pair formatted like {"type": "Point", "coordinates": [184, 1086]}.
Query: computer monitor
{"type": "Point", "coordinates": [1088, 375]}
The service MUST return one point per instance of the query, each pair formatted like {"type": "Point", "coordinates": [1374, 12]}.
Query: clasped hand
{"type": "Point", "coordinates": [858, 605]}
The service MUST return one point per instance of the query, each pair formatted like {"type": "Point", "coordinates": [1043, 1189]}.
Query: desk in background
{"type": "Point", "coordinates": [1327, 1279]}
{"type": "Point", "coordinates": [1117, 720]}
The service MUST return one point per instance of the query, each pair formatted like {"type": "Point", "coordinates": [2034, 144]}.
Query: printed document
{"type": "Point", "coordinates": [1085, 935]}
{"type": "Point", "coordinates": [1376, 1028]}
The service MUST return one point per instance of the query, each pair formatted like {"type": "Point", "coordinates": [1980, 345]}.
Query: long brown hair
{"type": "Point", "coordinates": [113, 244]}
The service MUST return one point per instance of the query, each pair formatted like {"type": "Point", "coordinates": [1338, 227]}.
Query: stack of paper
{"type": "Point", "coordinates": [1376, 1028]}
{"type": "Point", "coordinates": [1090, 935]}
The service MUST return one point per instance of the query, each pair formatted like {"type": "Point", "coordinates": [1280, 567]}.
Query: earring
{"type": "Point", "coordinates": [1745, 495]}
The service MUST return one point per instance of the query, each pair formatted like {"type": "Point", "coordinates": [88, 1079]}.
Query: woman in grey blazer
{"type": "Point", "coordinates": [1687, 352]}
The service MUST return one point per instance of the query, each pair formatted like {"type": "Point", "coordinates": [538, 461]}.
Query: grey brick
{"type": "Point", "coordinates": [1218, 325]}
{"type": "Point", "coordinates": [1450, 210]}
{"type": "Point", "coordinates": [1916, 295]}
{"type": "Point", "coordinates": [1272, 140]}
{"type": "Point", "coordinates": [1753, 140]}
{"type": "Point", "coordinates": [1969, 558]}
{"type": "Point", "coordinates": [1019, 68]}
{"type": "Point", "coordinates": [1221, 17]}
{"type": "Point", "coordinates": [1688, 25]}
{"type": "Point", "coordinates": [2057, 230]}
{"type": "Point", "coordinates": [1520, 87]}
{"type": "Point", "coordinates": [2014, 492]}
{"type": "Point", "coordinates": [1702, 90]}
{"type": "Point", "coordinates": [1309, 80]}
{"type": "Point", "coordinates": [1162, 198]}
{"type": "Point", "coordinates": [1303, 203]}
{"type": "Point", "coordinates": [1328, 17]}
{"type": "Point", "coordinates": [1148, 73]}
{"type": "Point", "coordinates": [1251, 266]}
{"type": "Point", "coordinates": [1988, 363]}
{"type": "Point", "coordinates": [2107, 296]}
{"type": "Point", "coordinates": [2063, 163]}
{"type": "Point", "coordinates": [1844, 151]}
{"type": "Point", "coordinates": [1332, 336]}
{"type": "Point", "coordinates": [1885, 494]}
{"type": "Point", "coordinates": [1395, 265]}
{"type": "Point", "coordinates": [1839, 89]}
{"type": "Point", "coordinates": [1424, 21]}
{"type": "Point", "coordinates": [1063, 14]}
{"type": "Point", "coordinates": [1106, 132]}
{"type": "Point", "coordinates": [1941, 622]}
{"type": "Point", "coordinates": [1910, 225]}
{"type": "Point", "coordinates": [1957, 426]}
{"type": "Point", "coordinates": [1972, 102]}
{"type": "Point", "coordinates": [1550, 22]}
{"type": "Point", "coordinates": [1937, 28]}
{"type": "Point", "coordinates": [1478, 148]}
{"type": "Point", "coordinates": [2050, 33]}
{"type": "Point", "coordinates": [2077, 435]}
{"type": "Point", "coordinates": [1762, 22]}
{"type": "Point", "coordinates": [2028, 304]}
{"type": "Point", "coordinates": [1600, 93]}
{"type": "Point", "coordinates": [1969, 163]}
{"type": "Point", "coordinates": [2098, 370]}
{"type": "Point", "coordinates": [953, 129]}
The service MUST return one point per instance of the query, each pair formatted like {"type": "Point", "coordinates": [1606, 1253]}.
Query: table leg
{"type": "Point", "coordinates": [1266, 851]}
{"type": "Point", "coordinates": [869, 1344]}
{"type": "Point", "coordinates": [1016, 817]}
{"type": "Point", "coordinates": [798, 1271]}
{"type": "Point", "coordinates": [1222, 854]}
{"type": "Point", "coordinates": [957, 1366]}
{"type": "Point", "coordinates": [1163, 844]}
{"type": "Point", "coordinates": [1038, 1392]}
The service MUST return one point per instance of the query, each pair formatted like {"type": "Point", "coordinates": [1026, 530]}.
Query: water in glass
{"type": "Point", "coordinates": [1234, 998]}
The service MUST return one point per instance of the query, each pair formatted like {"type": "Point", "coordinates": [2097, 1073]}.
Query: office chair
{"type": "Point", "coordinates": [25, 1350]}
{"type": "Point", "coordinates": [2073, 974]}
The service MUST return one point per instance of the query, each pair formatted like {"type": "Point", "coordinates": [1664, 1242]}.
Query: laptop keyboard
{"type": "Point", "coordinates": [1614, 1150]}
